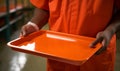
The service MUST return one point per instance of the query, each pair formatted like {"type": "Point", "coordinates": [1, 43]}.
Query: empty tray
{"type": "Point", "coordinates": [73, 49]}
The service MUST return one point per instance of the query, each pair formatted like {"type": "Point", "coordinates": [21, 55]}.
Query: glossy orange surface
{"type": "Point", "coordinates": [63, 47]}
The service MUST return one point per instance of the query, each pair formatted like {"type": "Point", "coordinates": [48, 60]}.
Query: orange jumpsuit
{"type": "Point", "coordinates": [81, 17]}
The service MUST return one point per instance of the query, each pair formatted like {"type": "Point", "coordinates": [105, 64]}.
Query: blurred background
{"type": "Point", "coordinates": [14, 14]}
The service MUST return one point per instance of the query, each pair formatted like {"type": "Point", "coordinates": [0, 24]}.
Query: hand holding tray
{"type": "Point", "coordinates": [73, 49]}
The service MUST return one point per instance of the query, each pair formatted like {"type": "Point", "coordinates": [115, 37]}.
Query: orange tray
{"type": "Point", "coordinates": [73, 49]}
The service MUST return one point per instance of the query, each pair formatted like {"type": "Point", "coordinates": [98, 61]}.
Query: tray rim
{"type": "Point", "coordinates": [77, 62]}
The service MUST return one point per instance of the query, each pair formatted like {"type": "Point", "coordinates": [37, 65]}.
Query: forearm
{"type": "Point", "coordinates": [114, 25]}
{"type": "Point", "coordinates": [40, 17]}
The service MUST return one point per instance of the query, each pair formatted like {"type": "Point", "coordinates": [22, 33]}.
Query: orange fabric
{"type": "Point", "coordinates": [85, 18]}
{"type": "Point", "coordinates": [75, 16]}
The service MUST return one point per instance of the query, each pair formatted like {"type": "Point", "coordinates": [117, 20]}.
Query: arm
{"type": "Point", "coordinates": [39, 19]}
{"type": "Point", "coordinates": [105, 36]}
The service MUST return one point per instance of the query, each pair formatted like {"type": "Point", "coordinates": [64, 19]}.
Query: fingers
{"type": "Point", "coordinates": [27, 29]}
{"type": "Point", "coordinates": [97, 40]}
{"type": "Point", "coordinates": [103, 38]}
{"type": "Point", "coordinates": [100, 50]}
{"type": "Point", "coordinates": [105, 43]}
{"type": "Point", "coordinates": [100, 38]}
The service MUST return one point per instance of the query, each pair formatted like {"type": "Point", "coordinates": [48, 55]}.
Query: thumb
{"type": "Point", "coordinates": [96, 41]}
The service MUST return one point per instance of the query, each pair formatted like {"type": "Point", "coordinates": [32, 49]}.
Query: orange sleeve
{"type": "Point", "coordinates": [117, 2]}
{"type": "Point", "coordinates": [43, 4]}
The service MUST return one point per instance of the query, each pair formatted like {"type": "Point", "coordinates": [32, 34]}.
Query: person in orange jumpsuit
{"type": "Point", "coordinates": [92, 18]}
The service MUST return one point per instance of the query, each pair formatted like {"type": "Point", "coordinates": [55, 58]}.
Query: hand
{"type": "Point", "coordinates": [104, 38]}
{"type": "Point", "coordinates": [29, 28]}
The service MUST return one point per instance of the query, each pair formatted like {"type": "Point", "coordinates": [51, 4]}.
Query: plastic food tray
{"type": "Point", "coordinates": [73, 49]}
